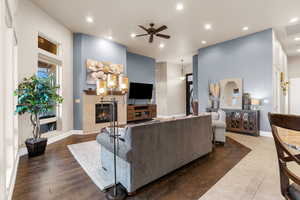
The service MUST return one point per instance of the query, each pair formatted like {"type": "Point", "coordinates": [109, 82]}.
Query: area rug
{"type": "Point", "coordinates": [87, 155]}
{"type": "Point", "coordinates": [187, 183]}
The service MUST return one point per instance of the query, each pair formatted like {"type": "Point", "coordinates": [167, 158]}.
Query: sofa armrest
{"type": "Point", "coordinates": [124, 151]}
{"type": "Point", "coordinates": [219, 123]}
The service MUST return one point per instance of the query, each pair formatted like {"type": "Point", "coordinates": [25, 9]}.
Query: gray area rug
{"type": "Point", "coordinates": [87, 155]}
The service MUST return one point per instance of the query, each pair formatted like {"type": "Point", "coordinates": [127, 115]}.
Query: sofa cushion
{"type": "Point", "coordinates": [215, 116]}
{"type": "Point", "coordinates": [120, 131]}
{"type": "Point", "coordinates": [106, 141]}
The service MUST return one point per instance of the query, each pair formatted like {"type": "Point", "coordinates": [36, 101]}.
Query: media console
{"type": "Point", "coordinates": [141, 112]}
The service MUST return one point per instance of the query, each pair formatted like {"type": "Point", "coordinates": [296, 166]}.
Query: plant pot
{"type": "Point", "coordinates": [36, 147]}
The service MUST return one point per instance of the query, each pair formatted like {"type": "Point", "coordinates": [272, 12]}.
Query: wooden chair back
{"type": "Point", "coordinates": [291, 122]}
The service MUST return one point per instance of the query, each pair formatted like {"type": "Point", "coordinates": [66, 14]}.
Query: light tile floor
{"type": "Point", "coordinates": [255, 177]}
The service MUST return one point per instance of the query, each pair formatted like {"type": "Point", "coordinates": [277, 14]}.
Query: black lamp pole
{"type": "Point", "coordinates": [116, 192]}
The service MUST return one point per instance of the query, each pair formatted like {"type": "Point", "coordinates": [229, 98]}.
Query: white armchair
{"type": "Point", "coordinates": [219, 124]}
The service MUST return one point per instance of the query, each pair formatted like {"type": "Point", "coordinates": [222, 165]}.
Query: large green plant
{"type": "Point", "coordinates": [37, 96]}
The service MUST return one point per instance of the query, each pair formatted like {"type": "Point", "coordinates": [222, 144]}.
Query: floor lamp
{"type": "Point", "coordinates": [114, 84]}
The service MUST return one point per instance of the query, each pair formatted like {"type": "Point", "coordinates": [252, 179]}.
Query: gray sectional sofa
{"type": "Point", "coordinates": [148, 151]}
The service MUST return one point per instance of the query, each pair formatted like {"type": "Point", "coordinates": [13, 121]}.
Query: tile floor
{"type": "Point", "coordinates": [255, 177]}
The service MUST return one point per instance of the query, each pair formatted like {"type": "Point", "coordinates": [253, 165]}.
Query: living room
{"type": "Point", "coordinates": [173, 104]}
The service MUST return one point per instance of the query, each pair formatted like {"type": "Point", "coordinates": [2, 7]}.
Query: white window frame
{"type": "Point", "coordinates": [51, 58]}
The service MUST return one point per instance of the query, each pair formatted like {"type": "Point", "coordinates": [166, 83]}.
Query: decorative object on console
{"type": "Point", "coordinates": [99, 70]}
{"type": "Point", "coordinates": [112, 80]}
{"type": "Point", "coordinates": [214, 95]}
{"type": "Point", "coordinates": [246, 101]}
{"type": "Point", "coordinates": [283, 84]}
{"type": "Point", "coordinates": [195, 107]}
{"type": "Point", "coordinates": [231, 93]}
{"type": "Point", "coordinates": [243, 121]}
{"type": "Point", "coordinates": [255, 103]}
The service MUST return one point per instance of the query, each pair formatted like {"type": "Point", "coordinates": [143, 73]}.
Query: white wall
{"type": "Point", "coordinates": [176, 90]}
{"type": "Point", "coordinates": [31, 20]}
{"type": "Point", "coordinates": [170, 89]}
{"type": "Point", "coordinates": [8, 124]}
{"type": "Point", "coordinates": [280, 101]}
{"type": "Point", "coordinates": [294, 84]}
{"type": "Point", "coordinates": [294, 66]}
{"type": "Point", "coordinates": [161, 88]}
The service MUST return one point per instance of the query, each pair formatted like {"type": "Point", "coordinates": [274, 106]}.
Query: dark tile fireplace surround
{"type": "Point", "coordinates": [104, 113]}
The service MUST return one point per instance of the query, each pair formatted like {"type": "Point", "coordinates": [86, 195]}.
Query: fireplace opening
{"type": "Point", "coordinates": [104, 113]}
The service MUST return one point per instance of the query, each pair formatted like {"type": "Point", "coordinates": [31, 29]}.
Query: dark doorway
{"type": "Point", "coordinates": [189, 93]}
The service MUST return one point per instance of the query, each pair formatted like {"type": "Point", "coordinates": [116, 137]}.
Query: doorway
{"type": "Point", "coordinates": [189, 93]}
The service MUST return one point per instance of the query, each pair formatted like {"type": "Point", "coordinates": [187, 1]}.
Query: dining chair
{"type": "Point", "coordinates": [291, 191]}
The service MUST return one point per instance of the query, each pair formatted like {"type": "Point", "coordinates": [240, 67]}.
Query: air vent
{"type": "Point", "coordinates": [293, 30]}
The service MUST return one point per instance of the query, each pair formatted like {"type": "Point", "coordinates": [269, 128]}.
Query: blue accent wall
{"type": "Point", "coordinates": [140, 69]}
{"type": "Point", "coordinates": [91, 47]}
{"type": "Point", "coordinates": [249, 58]}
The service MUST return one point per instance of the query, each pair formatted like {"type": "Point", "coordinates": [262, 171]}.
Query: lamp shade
{"type": "Point", "coordinates": [255, 102]}
{"type": "Point", "coordinates": [112, 81]}
{"type": "Point", "coordinates": [123, 84]}
{"type": "Point", "coordinates": [101, 87]}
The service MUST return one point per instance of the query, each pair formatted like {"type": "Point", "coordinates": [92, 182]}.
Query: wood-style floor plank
{"type": "Point", "coordinates": [57, 175]}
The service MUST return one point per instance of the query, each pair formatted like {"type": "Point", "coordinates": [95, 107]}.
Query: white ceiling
{"type": "Point", "coordinates": [119, 18]}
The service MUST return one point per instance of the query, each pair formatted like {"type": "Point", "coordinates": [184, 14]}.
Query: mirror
{"type": "Point", "coordinates": [231, 93]}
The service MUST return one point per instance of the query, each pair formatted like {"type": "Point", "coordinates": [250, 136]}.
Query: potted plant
{"type": "Point", "coordinates": [36, 96]}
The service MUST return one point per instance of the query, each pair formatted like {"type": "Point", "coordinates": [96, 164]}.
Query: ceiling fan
{"type": "Point", "coordinates": [154, 32]}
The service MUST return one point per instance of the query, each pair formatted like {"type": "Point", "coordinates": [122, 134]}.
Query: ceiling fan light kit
{"type": "Point", "coordinates": [151, 31]}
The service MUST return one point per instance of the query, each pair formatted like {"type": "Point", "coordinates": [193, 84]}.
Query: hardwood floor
{"type": "Point", "coordinates": [57, 175]}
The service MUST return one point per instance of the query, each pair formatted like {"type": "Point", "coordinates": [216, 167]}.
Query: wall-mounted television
{"type": "Point", "coordinates": [140, 90]}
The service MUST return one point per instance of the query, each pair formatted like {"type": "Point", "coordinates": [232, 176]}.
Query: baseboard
{"type": "Point", "coordinates": [170, 116]}
{"type": "Point", "coordinates": [265, 133]}
{"type": "Point", "coordinates": [13, 177]}
{"type": "Point", "coordinates": [23, 150]}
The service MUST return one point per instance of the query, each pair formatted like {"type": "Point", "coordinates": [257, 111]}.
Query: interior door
{"type": "Point", "coordinates": [294, 97]}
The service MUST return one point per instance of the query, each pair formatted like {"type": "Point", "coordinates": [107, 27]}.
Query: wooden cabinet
{"type": "Point", "coordinates": [141, 112]}
{"type": "Point", "coordinates": [243, 121]}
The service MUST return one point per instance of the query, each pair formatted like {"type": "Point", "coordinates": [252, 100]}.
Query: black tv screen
{"type": "Point", "coordinates": [140, 91]}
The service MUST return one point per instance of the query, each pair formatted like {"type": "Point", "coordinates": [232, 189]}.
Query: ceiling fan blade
{"type": "Point", "coordinates": [142, 27]}
{"type": "Point", "coordinates": [163, 36]}
{"type": "Point", "coordinates": [161, 28]}
{"type": "Point", "coordinates": [141, 35]}
{"type": "Point", "coordinates": [151, 39]}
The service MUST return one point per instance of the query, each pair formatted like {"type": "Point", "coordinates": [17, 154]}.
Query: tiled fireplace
{"type": "Point", "coordinates": [97, 115]}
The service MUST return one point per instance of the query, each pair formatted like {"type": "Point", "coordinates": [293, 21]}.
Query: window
{"type": "Point", "coordinates": [47, 45]}
{"type": "Point", "coordinates": [48, 120]}
{"type": "Point", "coordinates": [49, 66]}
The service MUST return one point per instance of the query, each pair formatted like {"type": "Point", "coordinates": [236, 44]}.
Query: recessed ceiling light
{"type": "Point", "coordinates": [89, 19]}
{"type": "Point", "coordinates": [297, 38]}
{"type": "Point", "coordinates": [133, 35]}
{"type": "Point", "coordinates": [109, 37]}
{"type": "Point", "coordinates": [161, 45]}
{"type": "Point", "coordinates": [207, 26]}
{"type": "Point", "coordinates": [293, 20]}
{"type": "Point", "coordinates": [203, 42]}
{"type": "Point", "coordinates": [245, 28]}
{"type": "Point", "coordinates": [298, 50]}
{"type": "Point", "coordinates": [179, 6]}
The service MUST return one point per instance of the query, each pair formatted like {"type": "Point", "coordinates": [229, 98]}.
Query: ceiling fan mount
{"type": "Point", "coordinates": [151, 31]}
